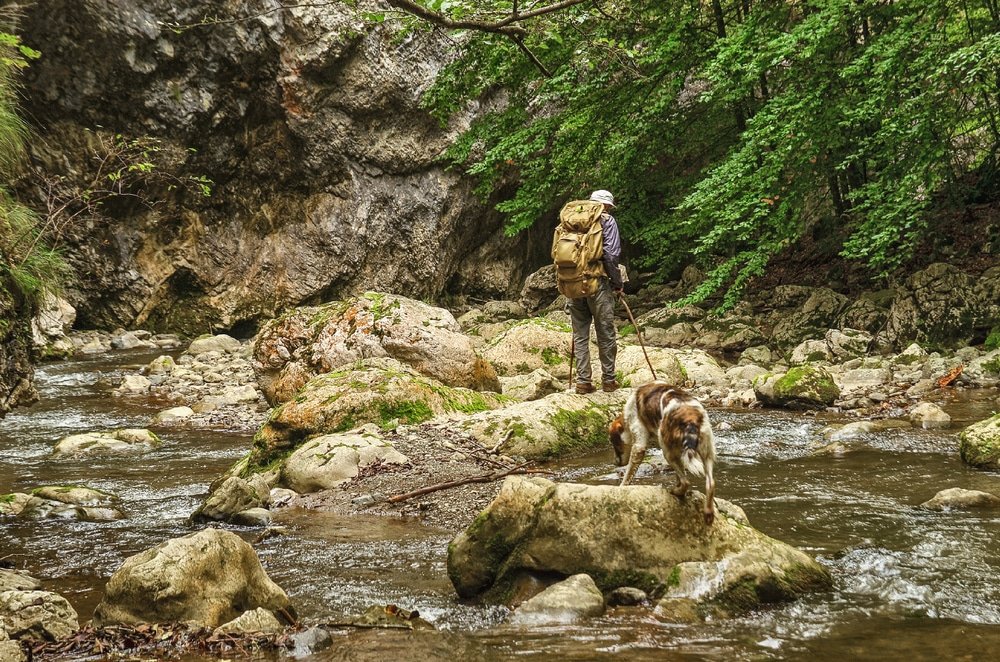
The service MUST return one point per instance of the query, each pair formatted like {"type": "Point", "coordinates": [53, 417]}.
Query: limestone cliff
{"type": "Point", "coordinates": [326, 168]}
{"type": "Point", "coordinates": [15, 350]}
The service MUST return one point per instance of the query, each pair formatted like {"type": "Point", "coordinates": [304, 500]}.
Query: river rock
{"type": "Point", "coordinates": [15, 581]}
{"type": "Point", "coordinates": [258, 620]}
{"type": "Point", "coordinates": [221, 343]}
{"type": "Point", "coordinates": [847, 343]}
{"type": "Point", "coordinates": [956, 497]}
{"type": "Point", "coordinates": [380, 391]}
{"type": "Point", "coordinates": [807, 386]}
{"type": "Point", "coordinates": [558, 425]}
{"type": "Point", "coordinates": [570, 600]}
{"type": "Point", "coordinates": [698, 369]}
{"type": "Point", "coordinates": [928, 415]}
{"type": "Point", "coordinates": [309, 341]}
{"type": "Point", "coordinates": [535, 385]}
{"type": "Point", "coordinates": [499, 311]}
{"type": "Point", "coordinates": [810, 351]}
{"type": "Point", "coordinates": [331, 460]}
{"type": "Point", "coordinates": [77, 496]}
{"type": "Point", "coordinates": [980, 444]}
{"type": "Point", "coordinates": [535, 343]}
{"type": "Point", "coordinates": [37, 614]}
{"type": "Point", "coordinates": [133, 385]}
{"type": "Point", "coordinates": [256, 517]}
{"type": "Point", "coordinates": [39, 508]}
{"type": "Point", "coordinates": [128, 440]}
{"type": "Point", "coordinates": [626, 596]}
{"type": "Point", "coordinates": [172, 416]}
{"type": "Point", "coordinates": [233, 496]}
{"type": "Point", "coordinates": [640, 536]}
{"type": "Point", "coordinates": [10, 651]}
{"type": "Point", "coordinates": [209, 577]}
{"type": "Point", "coordinates": [12, 504]}
{"type": "Point", "coordinates": [983, 371]}
{"type": "Point", "coordinates": [858, 429]}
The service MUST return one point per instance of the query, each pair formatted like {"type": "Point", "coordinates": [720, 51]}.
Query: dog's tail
{"type": "Point", "coordinates": [692, 462]}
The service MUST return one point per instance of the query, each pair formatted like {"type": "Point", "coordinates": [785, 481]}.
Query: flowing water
{"type": "Point", "coordinates": [909, 584]}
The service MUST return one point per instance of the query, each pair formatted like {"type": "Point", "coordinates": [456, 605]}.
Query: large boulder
{"type": "Point", "coordinates": [958, 498]}
{"type": "Point", "coordinates": [73, 503]}
{"type": "Point", "coordinates": [938, 306]}
{"type": "Point", "coordinates": [380, 391]}
{"type": "Point", "coordinates": [331, 460]}
{"type": "Point", "coordinates": [305, 342]}
{"type": "Point", "coordinates": [209, 578]}
{"type": "Point", "coordinates": [557, 425]}
{"type": "Point", "coordinates": [980, 444]}
{"type": "Point", "coordinates": [807, 386]}
{"type": "Point", "coordinates": [15, 581]}
{"type": "Point", "coordinates": [10, 651]}
{"type": "Point", "coordinates": [532, 344]}
{"type": "Point", "coordinates": [12, 504]}
{"type": "Point", "coordinates": [37, 615]}
{"type": "Point", "coordinates": [128, 440]}
{"type": "Point", "coordinates": [670, 365]}
{"type": "Point", "coordinates": [639, 536]}
{"type": "Point", "coordinates": [53, 321]}
{"type": "Point", "coordinates": [221, 343]}
{"type": "Point", "coordinates": [539, 289]}
{"type": "Point", "coordinates": [535, 385]}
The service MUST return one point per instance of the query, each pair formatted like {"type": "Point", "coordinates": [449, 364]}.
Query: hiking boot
{"type": "Point", "coordinates": [583, 388]}
{"type": "Point", "coordinates": [610, 387]}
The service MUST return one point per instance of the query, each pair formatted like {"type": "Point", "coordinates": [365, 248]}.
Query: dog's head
{"type": "Point", "coordinates": [622, 448]}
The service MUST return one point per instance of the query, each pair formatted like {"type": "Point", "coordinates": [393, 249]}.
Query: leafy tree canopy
{"type": "Point", "coordinates": [729, 128]}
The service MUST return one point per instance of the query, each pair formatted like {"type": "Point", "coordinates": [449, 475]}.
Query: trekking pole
{"type": "Point", "coordinates": [572, 347]}
{"type": "Point", "coordinates": [638, 332]}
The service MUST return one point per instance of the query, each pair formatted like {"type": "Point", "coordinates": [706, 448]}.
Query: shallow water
{"type": "Point", "coordinates": [909, 584]}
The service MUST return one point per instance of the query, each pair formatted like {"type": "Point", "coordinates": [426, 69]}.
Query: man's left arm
{"type": "Point", "coordinates": [612, 251]}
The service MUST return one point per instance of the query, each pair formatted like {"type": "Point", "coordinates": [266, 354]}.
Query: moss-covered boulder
{"type": "Point", "coordinates": [640, 536]}
{"type": "Point", "coordinates": [306, 342]}
{"type": "Point", "coordinates": [806, 386]}
{"type": "Point", "coordinates": [12, 504]}
{"type": "Point", "coordinates": [558, 425]}
{"type": "Point", "coordinates": [380, 391]}
{"type": "Point", "coordinates": [71, 503]}
{"type": "Point", "coordinates": [979, 444]}
{"type": "Point", "coordinates": [529, 345]}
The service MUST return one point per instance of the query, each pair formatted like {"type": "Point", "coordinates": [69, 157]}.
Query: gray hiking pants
{"type": "Point", "coordinates": [599, 309]}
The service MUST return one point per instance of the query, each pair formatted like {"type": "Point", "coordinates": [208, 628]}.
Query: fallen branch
{"type": "Point", "coordinates": [520, 469]}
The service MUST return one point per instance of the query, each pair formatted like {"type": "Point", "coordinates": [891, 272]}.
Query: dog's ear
{"type": "Point", "coordinates": [615, 431]}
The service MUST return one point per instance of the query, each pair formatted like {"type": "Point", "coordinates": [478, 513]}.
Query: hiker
{"type": "Point", "coordinates": [599, 307]}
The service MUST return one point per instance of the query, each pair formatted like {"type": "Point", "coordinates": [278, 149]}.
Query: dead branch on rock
{"type": "Point", "coordinates": [520, 469]}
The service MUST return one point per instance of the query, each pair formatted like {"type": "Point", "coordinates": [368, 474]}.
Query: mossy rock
{"type": "Point", "coordinates": [380, 391]}
{"type": "Point", "coordinates": [558, 425]}
{"type": "Point", "coordinates": [640, 536]}
{"type": "Point", "coordinates": [979, 444]}
{"type": "Point", "coordinates": [806, 386]}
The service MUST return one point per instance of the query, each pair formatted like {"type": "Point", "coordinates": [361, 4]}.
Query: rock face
{"type": "Point", "coordinates": [16, 371]}
{"type": "Point", "coordinates": [309, 341]}
{"type": "Point", "coordinates": [309, 123]}
{"type": "Point", "coordinates": [379, 391]}
{"type": "Point", "coordinates": [979, 444]}
{"type": "Point", "coordinates": [637, 536]}
{"type": "Point", "coordinates": [209, 577]}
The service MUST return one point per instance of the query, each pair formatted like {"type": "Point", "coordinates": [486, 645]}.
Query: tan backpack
{"type": "Point", "coordinates": [577, 249]}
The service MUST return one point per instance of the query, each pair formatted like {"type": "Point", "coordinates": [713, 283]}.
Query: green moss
{"type": "Point", "coordinates": [405, 411]}
{"type": "Point", "coordinates": [552, 356]}
{"type": "Point", "coordinates": [7, 498]}
{"type": "Point", "coordinates": [674, 579]}
{"type": "Point", "coordinates": [627, 330]}
{"type": "Point", "coordinates": [807, 384]}
{"type": "Point", "coordinates": [993, 339]}
{"type": "Point", "coordinates": [578, 431]}
{"type": "Point", "coordinates": [992, 366]}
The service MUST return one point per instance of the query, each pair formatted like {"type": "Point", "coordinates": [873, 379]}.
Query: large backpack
{"type": "Point", "coordinates": [577, 249]}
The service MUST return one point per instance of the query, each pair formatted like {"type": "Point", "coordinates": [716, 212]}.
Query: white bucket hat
{"type": "Point", "coordinates": [603, 197]}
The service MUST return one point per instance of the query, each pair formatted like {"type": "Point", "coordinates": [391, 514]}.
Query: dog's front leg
{"type": "Point", "coordinates": [634, 460]}
{"type": "Point", "coordinates": [709, 493]}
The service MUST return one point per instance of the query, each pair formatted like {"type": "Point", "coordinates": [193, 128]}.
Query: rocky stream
{"type": "Point", "coordinates": [909, 581]}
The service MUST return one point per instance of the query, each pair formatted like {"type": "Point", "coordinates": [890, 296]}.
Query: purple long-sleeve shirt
{"type": "Point", "coordinates": [612, 249]}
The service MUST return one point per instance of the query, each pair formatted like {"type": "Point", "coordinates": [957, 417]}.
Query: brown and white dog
{"type": "Point", "coordinates": [679, 423]}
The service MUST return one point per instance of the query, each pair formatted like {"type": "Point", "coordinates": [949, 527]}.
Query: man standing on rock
{"type": "Point", "coordinates": [599, 308]}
